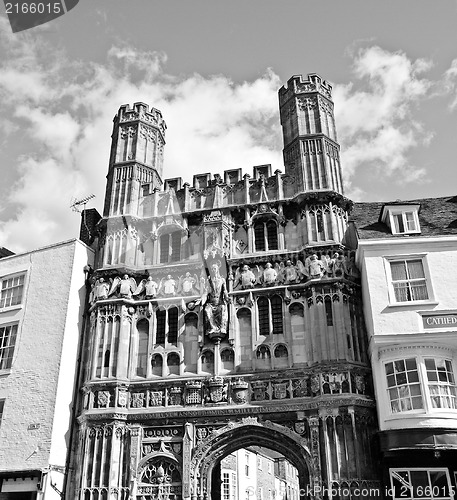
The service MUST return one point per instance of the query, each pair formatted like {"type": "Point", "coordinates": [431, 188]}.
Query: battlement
{"type": "Point", "coordinates": [141, 111]}
{"type": "Point", "coordinates": [298, 85]}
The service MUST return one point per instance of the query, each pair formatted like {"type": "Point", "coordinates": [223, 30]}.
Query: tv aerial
{"type": "Point", "coordinates": [76, 204]}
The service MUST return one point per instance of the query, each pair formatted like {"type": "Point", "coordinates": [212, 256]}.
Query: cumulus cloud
{"type": "Point", "coordinates": [62, 113]}
{"type": "Point", "coordinates": [375, 115]}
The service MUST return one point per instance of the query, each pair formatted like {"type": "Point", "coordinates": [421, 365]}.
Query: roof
{"type": "Point", "coordinates": [437, 217]}
{"type": "Point", "coordinates": [4, 252]}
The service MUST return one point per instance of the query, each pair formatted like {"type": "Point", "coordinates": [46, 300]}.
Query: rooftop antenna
{"type": "Point", "coordinates": [76, 204]}
{"type": "Point", "coordinates": [76, 207]}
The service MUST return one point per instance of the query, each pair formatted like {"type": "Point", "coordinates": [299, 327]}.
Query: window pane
{"type": "Point", "coordinates": [173, 325]}
{"type": "Point", "coordinates": [398, 270]}
{"type": "Point", "coordinates": [264, 321]}
{"type": "Point", "coordinates": [259, 236]}
{"type": "Point", "coordinates": [276, 312]}
{"type": "Point", "coordinates": [415, 269]}
{"type": "Point", "coordinates": [272, 235]}
{"type": "Point", "coordinates": [7, 343]}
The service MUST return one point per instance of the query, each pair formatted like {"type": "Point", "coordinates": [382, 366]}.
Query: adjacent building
{"type": "Point", "coordinates": [407, 253]}
{"type": "Point", "coordinates": [42, 303]}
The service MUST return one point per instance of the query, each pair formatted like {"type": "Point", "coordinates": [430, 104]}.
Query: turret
{"type": "Point", "coordinates": [311, 151]}
{"type": "Point", "coordinates": [136, 158]}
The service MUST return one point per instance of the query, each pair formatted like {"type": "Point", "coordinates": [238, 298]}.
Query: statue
{"type": "Point", "coordinates": [148, 286]}
{"type": "Point", "coordinates": [314, 267]}
{"type": "Point", "coordinates": [99, 290]}
{"type": "Point", "coordinates": [215, 309]}
{"type": "Point", "coordinates": [337, 264]}
{"type": "Point", "coordinates": [290, 273]}
{"type": "Point", "coordinates": [247, 278]}
{"type": "Point", "coordinates": [126, 286]}
{"type": "Point", "coordinates": [167, 286]}
{"type": "Point", "coordinates": [269, 275]}
{"type": "Point", "coordinates": [187, 284]}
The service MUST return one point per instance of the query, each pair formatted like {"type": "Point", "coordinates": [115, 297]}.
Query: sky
{"type": "Point", "coordinates": [214, 68]}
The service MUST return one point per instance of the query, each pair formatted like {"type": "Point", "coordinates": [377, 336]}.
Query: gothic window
{"type": "Point", "coordinates": [281, 351]}
{"type": "Point", "coordinates": [163, 478]}
{"type": "Point", "coordinates": [142, 348]}
{"type": "Point", "coordinates": [108, 343]}
{"type": "Point", "coordinates": [244, 321]}
{"type": "Point", "coordinates": [263, 352]}
{"type": "Point", "coordinates": [328, 311]}
{"type": "Point", "coordinates": [7, 343]}
{"type": "Point", "coordinates": [156, 364]}
{"type": "Point", "coordinates": [207, 360]}
{"type": "Point", "coordinates": [173, 362]}
{"type": "Point", "coordinates": [167, 326]}
{"type": "Point", "coordinates": [170, 247]}
{"type": "Point", "coordinates": [265, 235]}
{"type": "Point", "coordinates": [11, 290]}
{"type": "Point", "coordinates": [191, 325]}
{"type": "Point", "coordinates": [227, 359]}
{"type": "Point", "coordinates": [320, 222]}
{"type": "Point", "coordinates": [270, 315]}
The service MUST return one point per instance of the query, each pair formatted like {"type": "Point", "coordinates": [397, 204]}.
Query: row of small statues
{"type": "Point", "coordinates": [127, 287]}
{"type": "Point", "coordinates": [244, 277]}
{"type": "Point", "coordinates": [289, 273]}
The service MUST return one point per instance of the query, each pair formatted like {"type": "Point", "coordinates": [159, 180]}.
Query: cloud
{"type": "Point", "coordinates": [62, 112]}
{"type": "Point", "coordinates": [375, 115]}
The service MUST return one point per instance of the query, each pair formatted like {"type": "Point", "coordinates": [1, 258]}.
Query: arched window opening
{"type": "Point", "coordinates": [142, 348]}
{"type": "Point", "coordinates": [244, 321]}
{"type": "Point", "coordinates": [281, 351]}
{"type": "Point", "coordinates": [207, 360]}
{"type": "Point", "coordinates": [227, 359]}
{"type": "Point", "coordinates": [296, 309]}
{"type": "Point", "coordinates": [320, 220]}
{"type": "Point", "coordinates": [263, 352]}
{"type": "Point", "coordinates": [266, 235]}
{"type": "Point", "coordinates": [156, 365]}
{"type": "Point", "coordinates": [173, 362]}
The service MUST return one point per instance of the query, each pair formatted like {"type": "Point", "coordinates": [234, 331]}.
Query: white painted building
{"type": "Point", "coordinates": [407, 253]}
{"type": "Point", "coordinates": [42, 296]}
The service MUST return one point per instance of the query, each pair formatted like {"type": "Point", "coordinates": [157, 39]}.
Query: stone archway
{"type": "Point", "coordinates": [249, 432]}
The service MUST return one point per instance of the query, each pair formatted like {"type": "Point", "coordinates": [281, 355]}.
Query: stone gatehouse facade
{"type": "Point", "coordinates": [224, 314]}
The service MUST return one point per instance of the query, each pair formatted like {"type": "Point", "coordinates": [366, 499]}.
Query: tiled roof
{"type": "Point", "coordinates": [437, 217]}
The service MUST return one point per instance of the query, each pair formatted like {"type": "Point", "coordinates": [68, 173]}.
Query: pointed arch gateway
{"type": "Point", "coordinates": [248, 432]}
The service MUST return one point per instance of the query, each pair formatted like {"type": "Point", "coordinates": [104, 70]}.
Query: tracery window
{"type": "Point", "coordinates": [270, 315]}
{"type": "Point", "coordinates": [265, 235]}
{"type": "Point", "coordinates": [320, 222]}
{"type": "Point", "coordinates": [263, 352]}
{"type": "Point", "coordinates": [170, 247]}
{"type": "Point", "coordinates": [108, 344]}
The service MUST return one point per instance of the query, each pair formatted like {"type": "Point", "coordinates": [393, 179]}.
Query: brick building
{"type": "Point", "coordinates": [42, 300]}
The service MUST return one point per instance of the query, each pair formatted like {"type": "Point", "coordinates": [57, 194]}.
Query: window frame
{"type": "Point", "coordinates": [268, 238]}
{"type": "Point", "coordinates": [10, 358]}
{"type": "Point", "coordinates": [421, 496]}
{"type": "Point", "coordinates": [391, 212]}
{"type": "Point", "coordinates": [273, 319]}
{"type": "Point", "coordinates": [389, 260]}
{"type": "Point", "coordinates": [12, 276]}
{"type": "Point", "coordinates": [424, 383]}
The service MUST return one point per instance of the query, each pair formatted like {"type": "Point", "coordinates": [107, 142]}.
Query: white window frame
{"type": "Point", "coordinates": [10, 277]}
{"type": "Point", "coordinates": [390, 213]}
{"type": "Point", "coordinates": [426, 469]}
{"type": "Point", "coordinates": [6, 348]}
{"type": "Point", "coordinates": [388, 260]}
{"type": "Point", "coordinates": [424, 383]}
